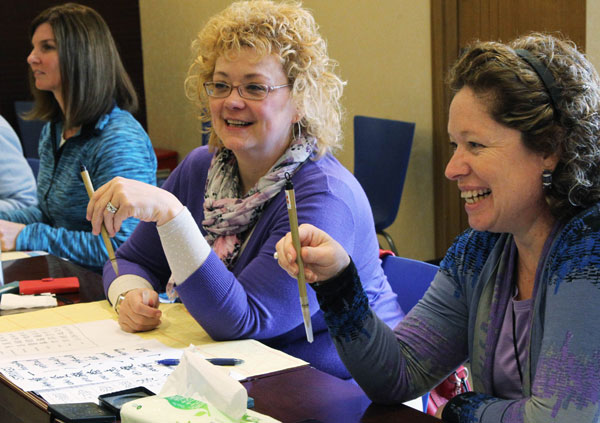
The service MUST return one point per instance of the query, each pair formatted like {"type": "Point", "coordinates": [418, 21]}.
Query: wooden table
{"type": "Point", "coordinates": [308, 395]}
{"type": "Point", "coordinates": [90, 283]}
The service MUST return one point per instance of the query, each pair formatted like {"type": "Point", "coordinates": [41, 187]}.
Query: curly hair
{"type": "Point", "coordinates": [290, 32]}
{"type": "Point", "coordinates": [518, 99]}
{"type": "Point", "coordinates": [93, 77]}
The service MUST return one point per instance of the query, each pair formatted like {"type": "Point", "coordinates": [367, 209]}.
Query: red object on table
{"type": "Point", "coordinates": [52, 285]}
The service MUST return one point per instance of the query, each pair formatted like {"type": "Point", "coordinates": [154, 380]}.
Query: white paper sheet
{"type": "Point", "coordinates": [14, 301]}
{"type": "Point", "coordinates": [16, 255]}
{"type": "Point", "coordinates": [78, 362]}
{"type": "Point", "coordinates": [36, 343]}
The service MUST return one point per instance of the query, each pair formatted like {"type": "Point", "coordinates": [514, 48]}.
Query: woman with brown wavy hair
{"type": "Point", "coordinates": [517, 294]}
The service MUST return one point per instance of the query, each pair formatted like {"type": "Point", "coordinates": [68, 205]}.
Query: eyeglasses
{"type": "Point", "coordinates": [248, 91]}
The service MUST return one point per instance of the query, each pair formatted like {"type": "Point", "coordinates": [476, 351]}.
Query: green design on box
{"type": "Point", "coordinates": [185, 403]}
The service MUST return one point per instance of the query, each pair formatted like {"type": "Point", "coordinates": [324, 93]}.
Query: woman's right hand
{"type": "Point", "coordinates": [323, 256]}
{"type": "Point", "coordinates": [137, 315]}
{"type": "Point", "coordinates": [131, 198]}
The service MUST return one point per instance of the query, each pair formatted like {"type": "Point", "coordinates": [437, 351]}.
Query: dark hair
{"type": "Point", "coordinates": [92, 75]}
{"type": "Point", "coordinates": [518, 99]}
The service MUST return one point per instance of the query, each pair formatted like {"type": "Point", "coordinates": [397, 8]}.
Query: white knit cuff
{"type": "Point", "coordinates": [184, 246]}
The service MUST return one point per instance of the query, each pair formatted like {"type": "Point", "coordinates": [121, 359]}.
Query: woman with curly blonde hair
{"type": "Point", "coordinates": [264, 81]}
{"type": "Point", "coordinates": [290, 32]}
{"type": "Point", "coordinates": [517, 294]}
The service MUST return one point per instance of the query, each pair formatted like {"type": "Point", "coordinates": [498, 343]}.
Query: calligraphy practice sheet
{"type": "Point", "coordinates": [76, 352]}
{"type": "Point", "coordinates": [57, 339]}
{"type": "Point", "coordinates": [78, 362]}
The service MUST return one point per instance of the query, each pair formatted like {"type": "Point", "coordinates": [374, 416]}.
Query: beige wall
{"type": "Point", "coordinates": [592, 35]}
{"type": "Point", "coordinates": [384, 54]}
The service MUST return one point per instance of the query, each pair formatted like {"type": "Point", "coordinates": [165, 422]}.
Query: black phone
{"type": "Point", "coordinates": [81, 412]}
{"type": "Point", "coordinates": [114, 400]}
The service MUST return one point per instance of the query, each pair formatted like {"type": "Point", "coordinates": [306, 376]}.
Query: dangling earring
{"type": "Point", "coordinates": [297, 134]}
{"type": "Point", "coordinates": [547, 179]}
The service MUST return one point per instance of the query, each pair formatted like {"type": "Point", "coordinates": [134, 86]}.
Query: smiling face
{"type": "Point", "coordinates": [43, 60]}
{"type": "Point", "coordinates": [255, 130]}
{"type": "Point", "coordinates": [499, 178]}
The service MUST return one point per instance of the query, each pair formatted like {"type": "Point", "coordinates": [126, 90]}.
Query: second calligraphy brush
{"type": "Point", "coordinates": [291, 206]}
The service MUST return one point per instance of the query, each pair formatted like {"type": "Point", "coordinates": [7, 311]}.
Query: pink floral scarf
{"type": "Point", "coordinates": [226, 215]}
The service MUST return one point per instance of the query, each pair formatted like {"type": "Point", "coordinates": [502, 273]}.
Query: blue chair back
{"type": "Point", "coordinates": [205, 135]}
{"type": "Point", "coordinates": [408, 278]}
{"type": "Point", "coordinates": [29, 130]}
{"type": "Point", "coordinates": [381, 152]}
{"type": "Point", "coordinates": [34, 164]}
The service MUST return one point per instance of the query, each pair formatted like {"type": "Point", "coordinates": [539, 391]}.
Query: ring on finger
{"type": "Point", "coordinates": [112, 209]}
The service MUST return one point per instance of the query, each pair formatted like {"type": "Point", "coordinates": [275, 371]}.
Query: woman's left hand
{"type": "Point", "coordinates": [131, 198]}
{"type": "Point", "coordinates": [9, 231]}
{"type": "Point", "coordinates": [135, 315]}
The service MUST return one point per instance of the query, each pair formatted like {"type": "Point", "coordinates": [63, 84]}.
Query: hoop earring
{"type": "Point", "coordinates": [547, 180]}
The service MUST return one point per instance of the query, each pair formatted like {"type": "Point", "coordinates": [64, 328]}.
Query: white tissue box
{"type": "Point", "coordinates": [178, 408]}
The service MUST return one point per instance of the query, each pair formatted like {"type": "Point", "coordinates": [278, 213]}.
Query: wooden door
{"type": "Point", "coordinates": [455, 23]}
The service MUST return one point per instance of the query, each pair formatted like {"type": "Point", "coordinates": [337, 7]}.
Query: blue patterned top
{"type": "Point", "coordinates": [116, 145]}
{"type": "Point", "coordinates": [460, 317]}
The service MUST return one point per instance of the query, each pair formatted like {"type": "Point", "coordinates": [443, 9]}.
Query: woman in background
{"type": "Point", "coordinates": [81, 88]}
{"type": "Point", "coordinates": [17, 183]}
{"type": "Point", "coordinates": [263, 79]}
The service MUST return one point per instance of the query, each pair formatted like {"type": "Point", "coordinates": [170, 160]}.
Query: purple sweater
{"type": "Point", "coordinates": [257, 299]}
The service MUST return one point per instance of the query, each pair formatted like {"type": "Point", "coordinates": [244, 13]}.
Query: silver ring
{"type": "Point", "coordinates": [275, 255]}
{"type": "Point", "coordinates": [112, 209]}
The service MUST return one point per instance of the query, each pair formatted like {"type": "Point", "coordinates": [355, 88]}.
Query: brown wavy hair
{"type": "Point", "coordinates": [92, 75]}
{"type": "Point", "coordinates": [290, 32]}
{"type": "Point", "coordinates": [518, 99]}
